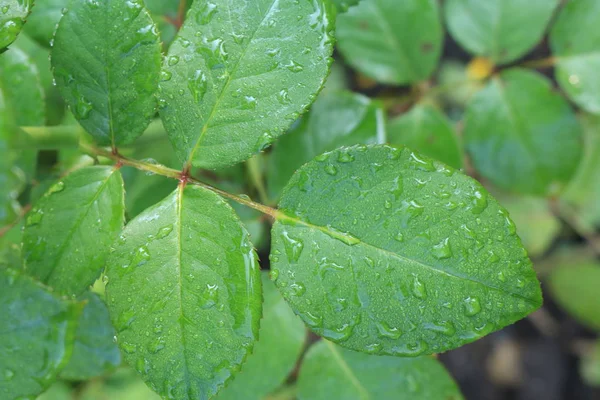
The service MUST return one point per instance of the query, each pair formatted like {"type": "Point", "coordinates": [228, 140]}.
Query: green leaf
{"type": "Point", "coordinates": [331, 372]}
{"type": "Point", "coordinates": [343, 5]}
{"type": "Point", "coordinates": [43, 20]}
{"type": "Point", "coordinates": [501, 30]}
{"type": "Point", "coordinates": [395, 42]}
{"type": "Point", "coordinates": [95, 351]}
{"type": "Point", "coordinates": [574, 42]}
{"type": "Point", "coordinates": [583, 191]}
{"type": "Point", "coordinates": [10, 246]}
{"type": "Point", "coordinates": [123, 384]}
{"type": "Point", "coordinates": [575, 289]}
{"type": "Point", "coordinates": [537, 226]}
{"type": "Point", "coordinates": [336, 119]}
{"type": "Point", "coordinates": [69, 230]}
{"type": "Point", "coordinates": [389, 252]}
{"type": "Point", "coordinates": [10, 177]}
{"type": "Point", "coordinates": [12, 18]}
{"type": "Point", "coordinates": [282, 336]}
{"type": "Point", "coordinates": [239, 73]}
{"type": "Point", "coordinates": [58, 391]}
{"type": "Point", "coordinates": [522, 135]}
{"type": "Point", "coordinates": [425, 129]}
{"type": "Point", "coordinates": [185, 272]}
{"type": "Point", "coordinates": [36, 335]}
{"type": "Point", "coordinates": [22, 87]}
{"type": "Point", "coordinates": [106, 60]}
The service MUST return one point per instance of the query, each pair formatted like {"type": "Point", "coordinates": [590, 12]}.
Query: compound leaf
{"type": "Point", "coordinates": [522, 135]}
{"type": "Point", "coordinates": [425, 129]}
{"type": "Point", "coordinates": [184, 294]}
{"type": "Point", "coordinates": [106, 60]}
{"type": "Point", "coordinates": [501, 30]}
{"type": "Point", "coordinates": [574, 288]}
{"type": "Point", "coordinates": [95, 351]}
{"type": "Point", "coordinates": [36, 336]}
{"type": "Point", "coordinates": [574, 42]}
{"type": "Point", "coordinates": [331, 372]}
{"type": "Point", "coordinates": [69, 230]}
{"type": "Point", "coordinates": [389, 252]}
{"type": "Point", "coordinates": [395, 42]}
{"type": "Point", "coordinates": [12, 18]}
{"type": "Point", "coordinates": [336, 119]}
{"type": "Point", "coordinates": [239, 73]}
{"type": "Point", "coordinates": [282, 336]}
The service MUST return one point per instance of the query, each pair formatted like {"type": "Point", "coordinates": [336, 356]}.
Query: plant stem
{"type": "Point", "coordinates": [548, 62]}
{"type": "Point", "coordinates": [256, 176]}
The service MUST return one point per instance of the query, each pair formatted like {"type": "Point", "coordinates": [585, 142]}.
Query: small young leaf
{"type": "Point", "coordinates": [106, 60]}
{"type": "Point", "coordinates": [574, 41]}
{"type": "Point", "coordinates": [583, 191]}
{"type": "Point", "coordinates": [36, 336]}
{"type": "Point", "coordinates": [184, 294]}
{"type": "Point", "coordinates": [427, 130]}
{"type": "Point", "coordinates": [331, 372]}
{"type": "Point", "coordinates": [282, 337]}
{"type": "Point", "coordinates": [68, 231]}
{"type": "Point", "coordinates": [20, 81]}
{"type": "Point", "coordinates": [335, 120]}
{"type": "Point", "coordinates": [239, 73]}
{"type": "Point", "coordinates": [522, 135]}
{"type": "Point", "coordinates": [575, 288]}
{"type": "Point", "coordinates": [501, 30]}
{"type": "Point", "coordinates": [43, 20]}
{"type": "Point", "coordinates": [389, 252]}
{"type": "Point", "coordinates": [12, 18]}
{"type": "Point", "coordinates": [391, 41]}
{"type": "Point", "coordinates": [95, 351]}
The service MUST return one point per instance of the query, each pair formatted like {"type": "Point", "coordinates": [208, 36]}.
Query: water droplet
{"type": "Point", "coordinates": [472, 306]}
{"type": "Point", "coordinates": [442, 250]}
{"type": "Point", "coordinates": [57, 187]}
{"type": "Point", "coordinates": [142, 366]}
{"type": "Point", "coordinates": [385, 331]}
{"type": "Point", "coordinates": [128, 348]}
{"type": "Point", "coordinates": [294, 67]}
{"type": "Point", "coordinates": [297, 289]}
{"type": "Point", "coordinates": [312, 320]}
{"type": "Point", "coordinates": [206, 13]}
{"type": "Point", "coordinates": [373, 348]}
{"type": "Point", "coordinates": [34, 217]}
{"type": "Point", "coordinates": [173, 60]}
{"type": "Point", "coordinates": [5, 9]}
{"type": "Point", "coordinates": [328, 266]}
{"type": "Point", "coordinates": [8, 374]}
{"type": "Point", "coordinates": [293, 247]}
{"type": "Point", "coordinates": [141, 256]}
{"type": "Point", "coordinates": [156, 345]}
{"type": "Point", "coordinates": [444, 327]}
{"type": "Point", "coordinates": [478, 202]}
{"type": "Point", "coordinates": [343, 237]}
{"type": "Point", "coordinates": [198, 85]}
{"type": "Point", "coordinates": [210, 297]}
{"type": "Point", "coordinates": [331, 169]}
{"type": "Point", "coordinates": [339, 334]}
{"type": "Point", "coordinates": [238, 39]}
{"type": "Point", "coordinates": [422, 163]}
{"type": "Point", "coordinates": [82, 108]}
{"type": "Point", "coordinates": [397, 187]}
{"type": "Point", "coordinates": [399, 237]}
{"type": "Point", "coordinates": [164, 232]}
{"type": "Point", "coordinates": [501, 276]}
{"type": "Point", "coordinates": [418, 288]}
{"type": "Point", "coordinates": [344, 156]}
{"type": "Point", "coordinates": [274, 274]}
{"type": "Point", "coordinates": [249, 103]}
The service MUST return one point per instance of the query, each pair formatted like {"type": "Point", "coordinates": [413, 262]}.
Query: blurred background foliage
{"type": "Point", "coordinates": [507, 90]}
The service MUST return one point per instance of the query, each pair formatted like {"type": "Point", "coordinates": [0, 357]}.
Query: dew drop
{"type": "Point", "coordinates": [210, 297]}
{"type": "Point", "coordinates": [284, 97]}
{"type": "Point", "coordinates": [418, 288]}
{"type": "Point", "coordinates": [82, 108]}
{"type": "Point", "coordinates": [57, 187]}
{"type": "Point", "coordinates": [444, 327]}
{"type": "Point", "coordinates": [164, 232]}
{"type": "Point", "coordinates": [293, 247]}
{"type": "Point", "coordinates": [478, 202]}
{"type": "Point", "coordinates": [173, 60]}
{"type": "Point", "coordinates": [8, 374]}
{"type": "Point", "coordinates": [397, 187]}
{"type": "Point", "coordinates": [339, 334]}
{"type": "Point", "coordinates": [385, 331]}
{"type": "Point", "coordinates": [297, 289]}
{"type": "Point", "coordinates": [331, 169]}
{"type": "Point", "coordinates": [249, 103]}
{"type": "Point", "coordinates": [442, 250]}
{"type": "Point", "coordinates": [198, 85]}
{"type": "Point", "coordinates": [472, 306]}
{"type": "Point", "coordinates": [206, 13]}
{"type": "Point", "coordinates": [422, 163]}
{"type": "Point", "coordinates": [34, 217]}
{"type": "Point", "coordinates": [294, 67]}
{"type": "Point", "coordinates": [128, 348]}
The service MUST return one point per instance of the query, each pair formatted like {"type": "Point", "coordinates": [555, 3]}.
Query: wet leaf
{"type": "Point", "coordinates": [425, 129]}
{"type": "Point", "coordinates": [184, 294]}
{"type": "Point", "coordinates": [9, 176]}
{"type": "Point", "coordinates": [36, 336]}
{"type": "Point", "coordinates": [95, 351]}
{"type": "Point", "coordinates": [501, 30]}
{"type": "Point", "coordinates": [575, 288]}
{"type": "Point", "coordinates": [12, 18]}
{"type": "Point", "coordinates": [106, 61]}
{"type": "Point", "coordinates": [239, 73]}
{"type": "Point", "coordinates": [42, 22]}
{"type": "Point", "coordinates": [336, 119]}
{"type": "Point", "coordinates": [574, 42]}
{"type": "Point", "coordinates": [281, 339]}
{"type": "Point", "coordinates": [68, 231]}
{"type": "Point", "coordinates": [394, 253]}
{"type": "Point", "coordinates": [331, 372]}
{"type": "Point", "coordinates": [522, 135]}
{"type": "Point", "coordinates": [394, 42]}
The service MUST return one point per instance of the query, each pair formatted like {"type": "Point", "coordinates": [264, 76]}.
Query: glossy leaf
{"type": "Point", "coordinates": [395, 42]}
{"type": "Point", "coordinates": [330, 372]}
{"type": "Point", "coordinates": [425, 129]}
{"type": "Point", "coordinates": [106, 61]}
{"type": "Point", "coordinates": [522, 135]}
{"type": "Point", "coordinates": [336, 119]}
{"type": "Point", "coordinates": [575, 289]}
{"type": "Point", "coordinates": [282, 337]}
{"type": "Point", "coordinates": [574, 42]}
{"type": "Point", "coordinates": [501, 30]}
{"type": "Point", "coordinates": [9, 176]}
{"type": "Point", "coordinates": [42, 22]}
{"type": "Point", "coordinates": [20, 81]}
{"type": "Point", "coordinates": [12, 18]}
{"type": "Point", "coordinates": [95, 351]}
{"type": "Point", "coordinates": [68, 231]}
{"type": "Point", "coordinates": [583, 191]}
{"type": "Point", "coordinates": [185, 272]}
{"type": "Point", "coordinates": [35, 337]}
{"type": "Point", "coordinates": [239, 73]}
{"type": "Point", "coordinates": [385, 251]}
